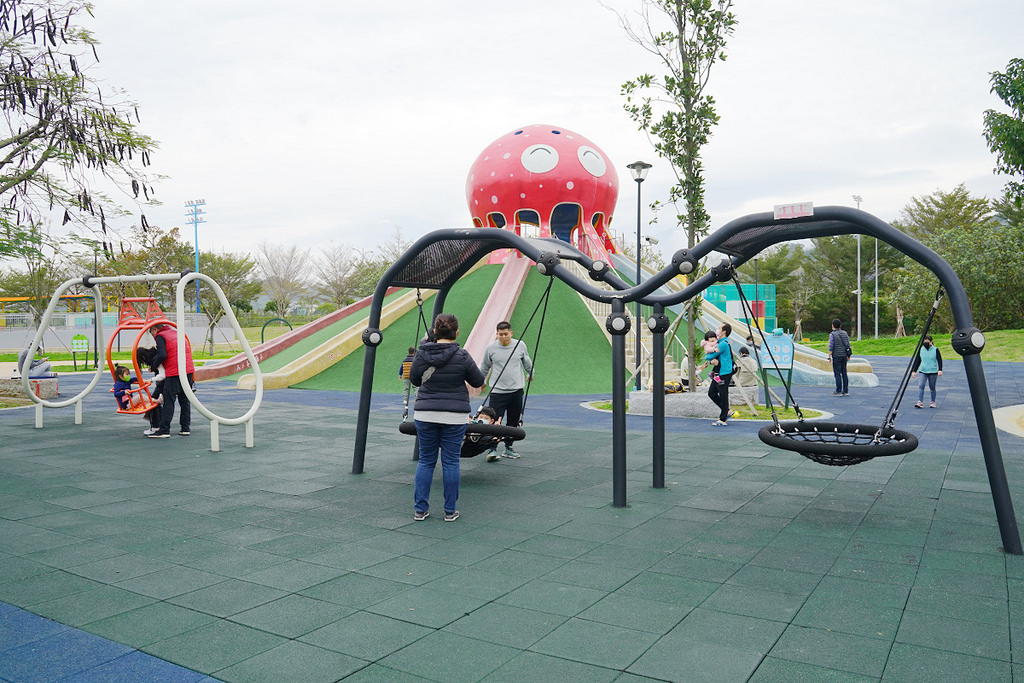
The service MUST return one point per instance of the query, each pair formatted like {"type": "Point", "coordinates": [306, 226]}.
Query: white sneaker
{"type": "Point", "coordinates": [149, 431]}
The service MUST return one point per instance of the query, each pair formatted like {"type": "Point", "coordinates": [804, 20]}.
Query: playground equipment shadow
{"type": "Point", "coordinates": [126, 559]}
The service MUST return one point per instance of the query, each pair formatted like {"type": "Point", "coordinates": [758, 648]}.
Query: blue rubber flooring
{"type": "Point", "coordinates": [275, 563]}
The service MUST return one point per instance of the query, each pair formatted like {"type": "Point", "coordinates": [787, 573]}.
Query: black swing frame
{"type": "Point", "coordinates": [438, 259]}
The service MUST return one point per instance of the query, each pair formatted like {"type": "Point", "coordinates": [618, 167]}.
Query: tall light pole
{"type": "Point", "coordinates": [638, 169]}
{"type": "Point", "coordinates": [857, 198]}
{"type": "Point", "coordinates": [876, 288]}
{"type": "Point", "coordinates": [192, 215]}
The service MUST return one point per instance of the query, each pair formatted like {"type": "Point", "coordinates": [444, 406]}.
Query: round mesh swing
{"type": "Point", "coordinates": [837, 443]}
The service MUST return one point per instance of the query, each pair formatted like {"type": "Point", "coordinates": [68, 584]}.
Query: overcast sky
{"type": "Point", "coordinates": [317, 122]}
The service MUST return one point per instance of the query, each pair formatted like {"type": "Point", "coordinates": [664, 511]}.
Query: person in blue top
{"type": "Point", "coordinates": [719, 391]}
{"type": "Point", "coordinates": [123, 382]}
{"type": "Point", "coordinates": [928, 362]}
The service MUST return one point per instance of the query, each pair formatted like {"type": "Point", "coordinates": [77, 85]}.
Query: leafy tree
{"type": "Point", "coordinates": [335, 273]}
{"type": "Point", "coordinates": [235, 274]}
{"type": "Point", "coordinates": [778, 266]}
{"type": "Point", "coordinates": [369, 266]}
{"type": "Point", "coordinates": [687, 37]}
{"type": "Point", "coordinates": [152, 250]}
{"type": "Point", "coordinates": [1005, 132]}
{"type": "Point", "coordinates": [63, 130]}
{"type": "Point", "coordinates": [975, 244]}
{"type": "Point", "coordinates": [395, 247]}
{"type": "Point", "coordinates": [285, 273]}
{"type": "Point", "coordinates": [40, 277]}
{"type": "Point", "coordinates": [925, 216]}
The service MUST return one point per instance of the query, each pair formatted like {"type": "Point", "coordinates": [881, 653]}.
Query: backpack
{"type": "Point", "coordinates": [674, 387]}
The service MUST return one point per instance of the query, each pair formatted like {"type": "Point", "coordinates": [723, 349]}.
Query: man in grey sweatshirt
{"type": "Point", "coordinates": [508, 362]}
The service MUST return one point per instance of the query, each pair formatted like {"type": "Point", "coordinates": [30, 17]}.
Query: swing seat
{"type": "Point", "coordinates": [139, 401]}
{"type": "Point", "coordinates": [501, 432]}
{"type": "Point", "coordinates": [837, 443]}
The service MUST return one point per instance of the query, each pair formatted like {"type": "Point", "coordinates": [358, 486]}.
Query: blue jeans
{"type": "Point", "coordinates": [929, 378]}
{"type": "Point", "coordinates": [839, 371]}
{"type": "Point", "coordinates": [447, 439]}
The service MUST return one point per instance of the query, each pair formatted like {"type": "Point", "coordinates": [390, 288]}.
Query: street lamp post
{"type": "Point", "coordinates": [192, 214]}
{"type": "Point", "coordinates": [876, 288]}
{"type": "Point", "coordinates": [638, 169]}
{"type": "Point", "coordinates": [857, 198]}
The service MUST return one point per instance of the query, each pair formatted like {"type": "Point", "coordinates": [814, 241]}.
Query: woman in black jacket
{"type": "Point", "coordinates": [441, 370]}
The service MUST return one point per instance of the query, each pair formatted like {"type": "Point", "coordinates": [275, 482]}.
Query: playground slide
{"type": "Point", "coordinates": [266, 349]}
{"type": "Point", "coordinates": [338, 347]}
{"type": "Point", "coordinates": [499, 305]}
{"type": "Point", "coordinates": [810, 366]}
{"type": "Point", "coordinates": [334, 349]}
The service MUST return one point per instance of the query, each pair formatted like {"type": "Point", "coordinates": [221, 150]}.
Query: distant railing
{"type": "Point", "coordinates": [82, 321]}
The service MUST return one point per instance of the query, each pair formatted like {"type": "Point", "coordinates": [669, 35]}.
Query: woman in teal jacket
{"type": "Point", "coordinates": [928, 362]}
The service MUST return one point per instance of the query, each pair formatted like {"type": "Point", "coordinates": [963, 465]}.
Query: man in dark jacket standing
{"type": "Point", "coordinates": [839, 353]}
{"type": "Point", "coordinates": [441, 370]}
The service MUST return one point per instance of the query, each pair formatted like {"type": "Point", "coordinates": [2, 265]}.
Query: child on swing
{"type": "Point", "coordinates": [475, 444]}
{"type": "Point", "coordinates": [123, 382]}
{"type": "Point", "coordinates": [710, 345]}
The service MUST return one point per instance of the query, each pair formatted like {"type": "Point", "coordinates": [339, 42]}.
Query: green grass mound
{"type": "Point", "coordinates": [574, 356]}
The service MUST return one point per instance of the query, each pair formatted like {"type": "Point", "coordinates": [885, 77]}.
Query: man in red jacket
{"type": "Point", "coordinates": [167, 353]}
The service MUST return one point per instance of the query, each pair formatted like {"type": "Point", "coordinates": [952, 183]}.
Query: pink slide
{"type": "Point", "coordinates": [499, 305]}
{"type": "Point", "coordinates": [267, 349]}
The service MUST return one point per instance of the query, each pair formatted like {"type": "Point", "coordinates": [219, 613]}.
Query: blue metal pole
{"type": "Point", "coordinates": [196, 225]}
{"type": "Point", "coordinates": [192, 213]}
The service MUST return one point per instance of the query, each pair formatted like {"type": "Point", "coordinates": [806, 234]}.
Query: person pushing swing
{"type": "Point", "coordinates": [508, 362]}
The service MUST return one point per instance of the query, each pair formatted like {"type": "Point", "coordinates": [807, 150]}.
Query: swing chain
{"type": "Point", "coordinates": [767, 394]}
{"type": "Point", "coordinates": [890, 416]}
{"type": "Point", "coordinates": [543, 300]}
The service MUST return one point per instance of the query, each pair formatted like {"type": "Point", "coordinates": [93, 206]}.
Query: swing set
{"type": "Point", "coordinates": [142, 314]}
{"type": "Point", "coordinates": [132, 316]}
{"type": "Point", "coordinates": [439, 259]}
{"type": "Point", "coordinates": [476, 431]}
{"type": "Point", "coordinates": [835, 443]}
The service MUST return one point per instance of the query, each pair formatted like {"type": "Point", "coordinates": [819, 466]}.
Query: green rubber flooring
{"type": "Point", "coordinates": [276, 563]}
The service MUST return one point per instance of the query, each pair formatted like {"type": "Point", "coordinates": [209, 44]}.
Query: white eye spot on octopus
{"type": "Point", "coordinates": [539, 158]}
{"type": "Point", "coordinates": [592, 161]}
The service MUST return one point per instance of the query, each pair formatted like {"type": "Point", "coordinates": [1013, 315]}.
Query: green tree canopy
{"type": "Point", "coordinates": [1005, 132]}
{"type": "Point", "coordinates": [977, 246]}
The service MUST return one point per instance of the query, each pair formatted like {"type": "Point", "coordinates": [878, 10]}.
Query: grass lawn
{"type": "Point", "coordinates": [1000, 345]}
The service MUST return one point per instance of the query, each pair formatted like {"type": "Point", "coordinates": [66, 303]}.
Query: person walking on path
{"type": "Point", "coordinates": [928, 362]}
{"type": "Point", "coordinates": [718, 392]}
{"type": "Point", "coordinates": [441, 370]}
{"type": "Point", "coordinates": [839, 353]}
{"type": "Point", "coordinates": [167, 341]}
{"type": "Point", "coordinates": [508, 362]}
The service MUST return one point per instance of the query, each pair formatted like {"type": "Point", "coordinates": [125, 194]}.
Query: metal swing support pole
{"type": "Point", "coordinates": [658, 324]}
{"type": "Point", "coordinates": [619, 406]}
